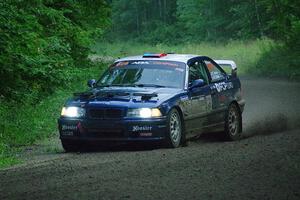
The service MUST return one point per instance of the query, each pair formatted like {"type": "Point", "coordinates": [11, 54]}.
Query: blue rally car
{"type": "Point", "coordinates": [155, 97]}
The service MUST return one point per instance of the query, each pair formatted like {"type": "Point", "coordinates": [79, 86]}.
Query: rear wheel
{"type": "Point", "coordinates": [175, 133]}
{"type": "Point", "coordinates": [233, 123]}
{"type": "Point", "coordinates": [70, 146]}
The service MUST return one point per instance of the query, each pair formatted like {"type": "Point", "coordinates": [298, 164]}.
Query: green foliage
{"type": "Point", "coordinates": [7, 161]}
{"type": "Point", "coordinates": [280, 60]}
{"type": "Point", "coordinates": [41, 41]}
{"type": "Point", "coordinates": [157, 21]}
{"type": "Point", "coordinates": [44, 48]}
{"type": "Point", "coordinates": [144, 20]}
{"type": "Point", "coordinates": [24, 124]}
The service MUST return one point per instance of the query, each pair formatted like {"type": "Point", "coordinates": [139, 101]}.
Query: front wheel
{"type": "Point", "coordinates": [233, 123]}
{"type": "Point", "coordinates": [174, 133]}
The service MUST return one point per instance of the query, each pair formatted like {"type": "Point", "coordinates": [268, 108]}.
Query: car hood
{"type": "Point", "coordinates": [125, 96]}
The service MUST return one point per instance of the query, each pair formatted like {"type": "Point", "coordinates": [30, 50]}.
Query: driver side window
{"type": "Point", "coordinates": [197, 71]}
{"type": "Point", "coordinates": [215, 73]}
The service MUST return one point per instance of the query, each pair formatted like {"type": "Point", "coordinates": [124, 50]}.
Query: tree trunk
{"type": "Point", "coordinates": [160, 9]}
{"type": "Point", "coordinates": [258, 19]}
{"type": "Point", "coordinates": [137, 18]}
{"type": "Point", "coordinates": [165, 11]}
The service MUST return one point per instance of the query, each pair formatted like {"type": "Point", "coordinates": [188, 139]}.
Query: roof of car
{"type": "Point", "coordinates": [168, 57]}
{"type": "Point", "coordinates": [227, 62]}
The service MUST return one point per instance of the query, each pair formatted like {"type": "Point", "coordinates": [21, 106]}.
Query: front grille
{"type": "Point", "coordinates": [114, 113]}
{"type": "Point", "coordinates": [106, 113]}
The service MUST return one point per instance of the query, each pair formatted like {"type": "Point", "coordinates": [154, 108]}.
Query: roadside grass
{"type": "Point", "coordinates": [24, 124]}
{"type": "Point", "coordinates": [8, 161]}
{"type": "Point", "coordinates": [245, 53]}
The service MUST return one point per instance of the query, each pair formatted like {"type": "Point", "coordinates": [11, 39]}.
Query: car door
{"type": "Point", "coordinates": [199, 98]}
{"type": "Point", "coordinates": [220, 88]}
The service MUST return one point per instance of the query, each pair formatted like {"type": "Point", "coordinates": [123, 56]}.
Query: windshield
{"type": "Point", "coordinates": [144, 74]}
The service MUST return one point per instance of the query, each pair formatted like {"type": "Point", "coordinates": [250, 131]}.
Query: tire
{"type": "Point", "coordinates": [233, 123]}
{"type": "Point", "coordinates": [175, 134]}
{"type": "Point", "coordinates": [70, 146]}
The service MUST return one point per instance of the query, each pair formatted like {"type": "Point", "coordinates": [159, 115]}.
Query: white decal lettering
{"type": "Point", "coordinates": [140, 63]}
{"type": "Point", "coordinates": [223, 86]}
{"type": "Point", "coordinates": [141, 128]}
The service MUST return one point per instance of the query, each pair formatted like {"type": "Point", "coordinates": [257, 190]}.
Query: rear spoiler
{"type": "Point", "coordinates": [228, 63]}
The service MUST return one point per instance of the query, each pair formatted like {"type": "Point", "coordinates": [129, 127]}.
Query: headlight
{"type": "Point", "coordinates": [72, 111]}
{"type": "Point", "coordinates": [144, 112]}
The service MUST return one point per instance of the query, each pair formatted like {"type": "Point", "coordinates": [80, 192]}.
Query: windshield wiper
{"type": "Point", "coordinates": [111, 85]}
{"type": "Point", "coordinates": [149, 85]}
{"type": "Point", "coordinates": [133, 85]}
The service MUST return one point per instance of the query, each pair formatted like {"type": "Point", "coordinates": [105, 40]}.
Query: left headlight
{"type": "Point", "coordinates": [72, 112]}
{"type": "Point", "coordinates": [144, 112]}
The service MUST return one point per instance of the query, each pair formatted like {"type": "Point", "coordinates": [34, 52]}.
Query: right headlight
{"type": "Point", "coordinates": [144, 112]}
{"type": "Point", "coordinates": [72, 111]}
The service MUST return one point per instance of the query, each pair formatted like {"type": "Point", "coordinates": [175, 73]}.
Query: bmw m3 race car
{"type": "Point", "coordinates": [155, 97]}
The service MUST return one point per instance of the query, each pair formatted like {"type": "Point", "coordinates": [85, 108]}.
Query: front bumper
{"type": "Point", "coordinates": [123, 130]}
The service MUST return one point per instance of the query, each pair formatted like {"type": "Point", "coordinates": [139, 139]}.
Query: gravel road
{"type": "Point", "coordinates": [264, 165]}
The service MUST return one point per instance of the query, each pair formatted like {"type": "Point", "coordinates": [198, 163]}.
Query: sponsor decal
{"type": "Point", "coordinates": [68, 127]}
{"type": "Point", "coordinates": [222, 86]}
{"type": "Point", "coordinates": [69, 133]}
{"type": "Point", "coordinates": [145, 134]}
{"type": "Point", "coordinates": [140, 63]}
{"type": "Point", "coordinates": [166, 63]}
{"type": "Point", "coordinates": [141, 128]}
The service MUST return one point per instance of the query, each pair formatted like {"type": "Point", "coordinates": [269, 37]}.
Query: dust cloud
{"type": "Point", "coordinates": [271, 106]}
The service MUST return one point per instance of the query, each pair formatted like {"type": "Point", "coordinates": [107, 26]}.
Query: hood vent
{"type": "Point", "coordinates": [145, 96]}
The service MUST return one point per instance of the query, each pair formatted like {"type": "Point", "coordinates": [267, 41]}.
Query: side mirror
{"type": "Point", "coordinates": [234, 73]}
{"type": "Point", "coordinates": [197, 83]}
{"type": "Point", "coordinates": [91, 83]}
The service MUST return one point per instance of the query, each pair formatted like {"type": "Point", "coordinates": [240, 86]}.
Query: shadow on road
{"type": "Point", "coordinates": [209, 137]}
{"type": "Point", "coordinates": [113, 147]}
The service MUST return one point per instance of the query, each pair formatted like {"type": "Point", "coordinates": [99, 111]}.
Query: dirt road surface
{"type": "Point", "coordinates": [264, 165]}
